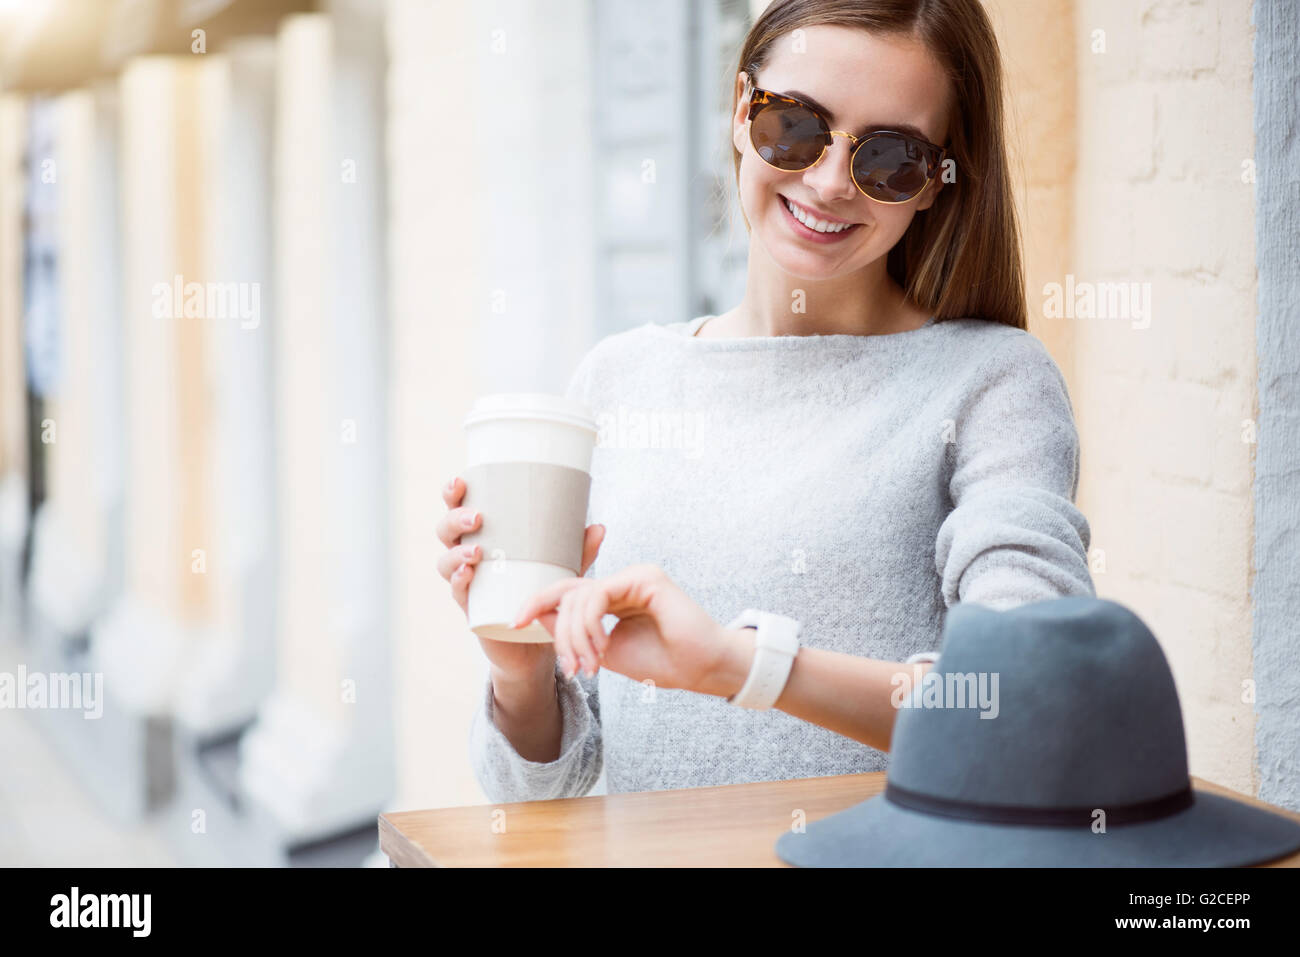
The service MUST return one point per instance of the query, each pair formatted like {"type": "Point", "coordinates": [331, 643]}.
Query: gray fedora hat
{"type": "Point", "coordinates": [1049, 736]}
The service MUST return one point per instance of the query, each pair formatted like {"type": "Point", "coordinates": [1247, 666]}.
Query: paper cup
{"type": "Point", "coordinates": [528, 473]}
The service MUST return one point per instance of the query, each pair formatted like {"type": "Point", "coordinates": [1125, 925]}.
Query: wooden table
{"type": "Point", "coordinates": [732, 826]}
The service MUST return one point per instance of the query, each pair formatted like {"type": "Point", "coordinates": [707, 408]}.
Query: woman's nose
{"type": "Point", "coordinates": [832, 177]}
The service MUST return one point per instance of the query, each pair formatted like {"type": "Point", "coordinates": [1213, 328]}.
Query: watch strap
{"type": "Point", "coordinates": [776, 642]}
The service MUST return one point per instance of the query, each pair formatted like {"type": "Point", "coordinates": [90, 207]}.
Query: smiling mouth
{"type": "Point", "coordinates": [812, 223]}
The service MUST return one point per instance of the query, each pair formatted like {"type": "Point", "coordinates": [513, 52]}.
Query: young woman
{"type": "Point", "coordinates": [878, 438]}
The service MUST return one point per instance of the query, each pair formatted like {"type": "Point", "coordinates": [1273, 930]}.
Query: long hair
{"type": "Point", "coordinates": [961, 257]}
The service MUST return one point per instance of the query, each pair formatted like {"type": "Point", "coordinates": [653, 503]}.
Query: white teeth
{"type": "Point", "coordinates": [811, 223]}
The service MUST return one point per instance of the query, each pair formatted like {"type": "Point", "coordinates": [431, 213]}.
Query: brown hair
{"type": "Point", "coordinates": [961, 257]}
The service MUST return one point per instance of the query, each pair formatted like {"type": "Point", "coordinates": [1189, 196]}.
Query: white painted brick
{"type": "Point", "coordinates": [1234, 455]}
{"type": "Point", "coordinates": [1107, 425]}
{"type": "Point", "coordinates": [1179, 37]}
{"type": "Point", "coordinates": [1104, 234]}
{"type": "Point", "coordinates": [1180, 431]}
{"type": "Point", "coordinates": [1236, 44]}
{"type": "Point", "coordinates": [1202, 133]}
{"type": "Point", "coordinates": [1200, 634]}
{"type": "Point", "coordinates": [1116, 346]}
{"type": "Point", "coordinates": [1214, 333]}
{"type": "Point", "coordinates": [1123, 521]}
{"type": "Point", "coordinates": [1166, 478]}
{"type": "Point", "coordinates": [1206, 539]}
{"type": "Point", "coordinates": [1236, 235]}
{"type": "Point", "coordinates": [1117, 133]}
{"type": "Point", "coordinates": [1179, 228]}
{"type": "Point", "coordinates": [1118, 21]}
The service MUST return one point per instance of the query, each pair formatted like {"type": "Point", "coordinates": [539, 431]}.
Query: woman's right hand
{"type": "Point", "coordinates": [512, 660]}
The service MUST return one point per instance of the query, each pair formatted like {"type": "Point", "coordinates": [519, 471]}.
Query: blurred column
{"type": "Point", "coordinates": [440, 281]}
{"type": "Point", "coordinates": [493, 261]}
{"type": "Point", "coordinates": [234, 664]}
{"type": "Point", "coordinates": [13, 399]}
{"type": "Point", "coordinates": [107, 394]}
{"type": "Point", "coordinates": [75, 568]}
{"type": "Point", "coordinates": [320, 755]}
{"type": "Point", "coordinates": [141, 643]}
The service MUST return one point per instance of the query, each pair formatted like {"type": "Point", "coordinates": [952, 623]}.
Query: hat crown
{"type": "Point", "coordinates": [1063, 703]}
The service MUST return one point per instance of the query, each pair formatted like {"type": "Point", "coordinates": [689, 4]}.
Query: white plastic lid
{"type": "Point", "coordinates": [530, 405]}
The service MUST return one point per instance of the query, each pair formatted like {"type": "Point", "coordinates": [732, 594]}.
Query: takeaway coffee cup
{"type": "Point", "coordinates": [528, 474]}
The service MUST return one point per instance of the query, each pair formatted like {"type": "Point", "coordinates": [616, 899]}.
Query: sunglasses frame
{"type": "Point", "coordinates": [760, 98]}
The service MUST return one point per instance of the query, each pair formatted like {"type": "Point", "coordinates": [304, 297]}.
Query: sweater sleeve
{"type": "Point", "coordinates": [1014, 534]}
{"type": "Point", "coordinates": [505, 775]}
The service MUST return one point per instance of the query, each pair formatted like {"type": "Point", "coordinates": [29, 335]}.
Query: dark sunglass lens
{"type": "Point", "coordinates": [890, 168]}
{"type": "Point", "coordinates": [787, 135]}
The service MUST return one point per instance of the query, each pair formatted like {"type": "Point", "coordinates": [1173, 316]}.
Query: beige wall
{"type": "Point", "coordinates": [436, 284]}
{"type": "Point", "coordinates": [1165, 124]}
{"type": "Point", "coordinates": [1119, 137]}
{"type": "Point", "coordinates": [1038, 53]}
{"type": "Point", "coordinates": [157, 556]}
{"type": "Point", "coordinates": [309, 663]}
{"type": "Point", "coordinates": [523, 233]}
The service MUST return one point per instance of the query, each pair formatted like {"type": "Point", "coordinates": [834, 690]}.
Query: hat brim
{"type": "Point", "coordinates": [1214, 832]}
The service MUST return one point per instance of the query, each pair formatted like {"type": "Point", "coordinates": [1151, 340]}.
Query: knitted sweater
{"type": "Point", "coordinates": [860, 484]}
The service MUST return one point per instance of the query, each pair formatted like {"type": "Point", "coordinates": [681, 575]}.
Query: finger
{"type": "Point", "coordinates": [631, 589]}
{"type": "Point", "coordinates": [592, 614]}
{"type": "Point", "coordinates": [591, 542]}
{"type": "Point", "coordinates": [452, 559]}
{"type": "Point", "coordinates": [563, 648]}
{"type": "Point", "coordinates": [574, 627]}
{"type": "Point", "coordinates": [456, 523]}
{"type": "Point", "coordinates": [544, 600]}
{"type": "Point", "coordinates": [453, 492]}
{"type": "Point", "coordinates": [460, 580]}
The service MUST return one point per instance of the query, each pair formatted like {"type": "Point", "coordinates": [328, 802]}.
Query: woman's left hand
{"type": "Point", "coordinates": [663, 636]}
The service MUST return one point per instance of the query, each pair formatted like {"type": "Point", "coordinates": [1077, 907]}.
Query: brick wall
{"type": "Point", "coordinates": [1164, 128]}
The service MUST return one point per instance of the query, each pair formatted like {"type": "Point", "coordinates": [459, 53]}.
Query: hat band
{"type": "Point", "coordinates": [1134, 813]}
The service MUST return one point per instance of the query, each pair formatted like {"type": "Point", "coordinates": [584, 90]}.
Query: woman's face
{"type": "Point", "coordinates": [864, 81]}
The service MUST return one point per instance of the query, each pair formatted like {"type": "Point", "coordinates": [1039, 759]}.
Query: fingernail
{"type": "Point", "coordinates": [564, 665]}
{"type": "Point", "coordinates": [471, 519]}
{"type": "Point", "coordinates": [461, 570]}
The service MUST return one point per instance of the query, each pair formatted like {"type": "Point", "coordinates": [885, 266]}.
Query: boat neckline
{"type": "Point", "coordinates": [685, 331]}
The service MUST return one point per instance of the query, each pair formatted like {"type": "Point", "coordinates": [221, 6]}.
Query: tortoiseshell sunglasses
{"type": "Point", "coordinates": [887, 166]}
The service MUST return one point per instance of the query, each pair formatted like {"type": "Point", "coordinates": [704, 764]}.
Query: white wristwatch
{"type": "Point", "coordinates": [775, 645]}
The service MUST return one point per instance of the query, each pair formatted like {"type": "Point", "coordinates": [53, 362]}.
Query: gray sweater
{"type": "Point", "coordinates": [861, 484]}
